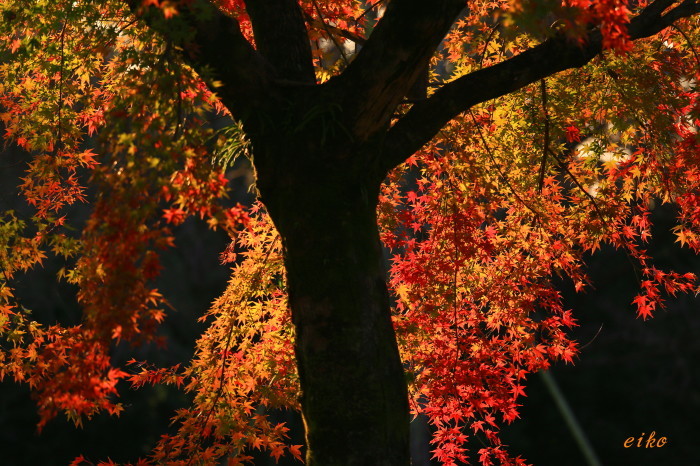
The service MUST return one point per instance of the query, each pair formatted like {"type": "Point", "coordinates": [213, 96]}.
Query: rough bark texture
{"type": "Point", "coordinates": [321, 152]}
{"type": "Point", "coordinates": [354, 397]}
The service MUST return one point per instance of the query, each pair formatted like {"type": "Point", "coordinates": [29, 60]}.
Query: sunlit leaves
{"type": "Point", "coordinates": [479, 237]}
{"type": "Point", "coordinates": [508, 196]}
{"type": "Point", "coordinates": [78, 65]}
{"type": "Point", "coordinates": [243, 364]}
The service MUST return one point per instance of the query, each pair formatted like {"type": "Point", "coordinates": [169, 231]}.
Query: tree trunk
{"type": "Point", "coordinates": [354, 397]}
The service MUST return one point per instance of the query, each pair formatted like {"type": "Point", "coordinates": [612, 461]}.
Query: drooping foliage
{"type": "Point", "coordinates": [510, 194]}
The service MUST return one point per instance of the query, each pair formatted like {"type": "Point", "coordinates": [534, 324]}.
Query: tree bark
{"type": "Point", "coordinates": [321, 152]}
{"type": "Point", "coordinates": [323, 202]}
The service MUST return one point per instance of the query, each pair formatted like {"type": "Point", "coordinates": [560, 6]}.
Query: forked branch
{"type": "Point", "coordinates": [557, 54]}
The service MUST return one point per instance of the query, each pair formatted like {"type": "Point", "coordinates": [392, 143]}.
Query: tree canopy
{"type": "Point", "coordinates": [490, 145]}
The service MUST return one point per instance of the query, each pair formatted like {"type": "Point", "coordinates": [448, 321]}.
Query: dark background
{"type": "Point", "coordinates": [632, 377]}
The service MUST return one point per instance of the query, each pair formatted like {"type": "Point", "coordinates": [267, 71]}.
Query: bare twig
{"type": "Point", "coordinates": [330, 33]}
{"type": "Point", "coordinates": [545, 143]}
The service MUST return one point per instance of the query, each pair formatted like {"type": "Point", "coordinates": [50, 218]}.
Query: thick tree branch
{"type": "Point", "coordinates": [281, 37]}
{"type": "Point", "coordinates": [217, 44]}
{"type": "Point", "coordinates": [391, 60]}
{"type": "Point", "coordinates": [426, 118]}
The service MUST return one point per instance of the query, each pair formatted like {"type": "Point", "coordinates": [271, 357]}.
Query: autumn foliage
{"type": "Point", "coordinates": [509, 195]}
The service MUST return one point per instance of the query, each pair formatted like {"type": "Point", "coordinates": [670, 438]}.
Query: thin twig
{"type": "Point", "coordinates": [178, 123]}
{"type": "Point", "coordinates": [486, 44]}
{"type": "Point", "coordinates": [330, 33]}
{"type": "Point", "coordinates": [630, 102]}
{"type": "Point", "coordinates": [455, 271]}
{"type": "Point", "coordinates": [245, 296]}
{"type": "Point", "coordinates": [599, 212]}
{"type": "Point", "coordinates": [503, 177]}
{"type": "Point", "coordinates": [59, 126]}
{"type": "Point", "coordinates": [369, 8]}
{"type": "Point", "coordinates": [341, 32]}
{"type": "Point", "coordinates": [594, 337]}
{"type": "Point", "coordinates": [563, 166]}
{"type": "Point", "coordinates": [690, 43]}
{"type": "Point", "coordinates": [545, 144]}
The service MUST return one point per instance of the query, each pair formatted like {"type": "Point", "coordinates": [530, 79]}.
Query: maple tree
{"type": "Point", "coordinates": [544, 131]}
